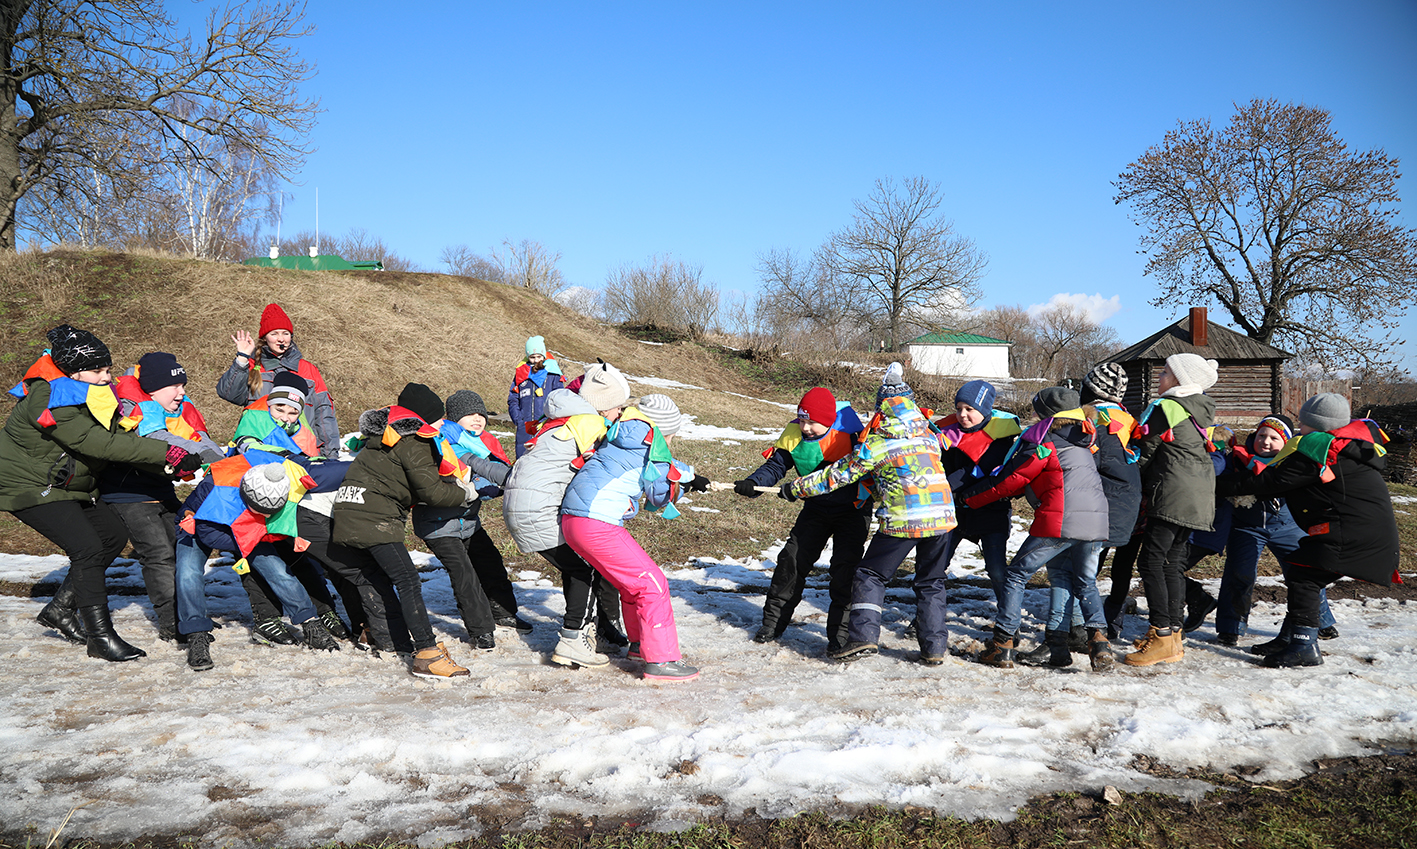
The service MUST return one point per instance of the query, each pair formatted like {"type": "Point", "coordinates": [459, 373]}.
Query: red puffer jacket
{"type": "Point", "coordinates": [1058, 474]}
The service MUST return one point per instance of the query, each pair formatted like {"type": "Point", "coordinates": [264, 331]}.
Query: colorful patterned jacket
{"type": "Point", "coordinates": [794, 452]}
{"type": "Point", "coordinates": [902, 454]}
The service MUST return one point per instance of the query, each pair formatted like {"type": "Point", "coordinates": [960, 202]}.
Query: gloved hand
{"type": "Point", "coordinates": [785, 492]}
{"type": "Point", "coordinates": [181, 461]}
{"type": "Point", "coordinates": [698, 484]}
{"type": "Point", "coordinates": [469, 491]}
{"type": "Point", "coordinates": [746, 488]}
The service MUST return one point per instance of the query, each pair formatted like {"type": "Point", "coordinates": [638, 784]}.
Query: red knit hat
{"type": "Point", "coordinates": [818, 405]}
{"type": "Point", "coordinates": [274, 318]}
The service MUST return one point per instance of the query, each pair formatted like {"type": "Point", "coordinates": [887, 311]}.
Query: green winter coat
{"type": "Point", "coordinates": [1177, 476]}
{"type": "Point", "coordinates": [385, 481]}
{"type": "Point", "coordinates": [41, 465]}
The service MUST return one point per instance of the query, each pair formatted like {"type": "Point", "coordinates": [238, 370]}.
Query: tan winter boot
{"type": "Point", "coordinates": [1154, 648]}
{"type": "Point", "coordinates": [999, 650]}
{"type": "Point", "coordinates": [1178, 643]}
{"type": "Point", "coordinates": [436, 663]}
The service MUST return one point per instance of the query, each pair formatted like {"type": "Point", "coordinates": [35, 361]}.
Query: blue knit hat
{"type": "Point", "coordinates": [980, 395]}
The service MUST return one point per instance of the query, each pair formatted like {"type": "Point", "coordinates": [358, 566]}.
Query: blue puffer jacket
{"type": "Point", "coordinates": [609, 486]}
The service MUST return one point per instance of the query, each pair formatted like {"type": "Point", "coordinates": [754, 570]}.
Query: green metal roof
{"type": "Point", "coordinates": [323, 262]}
{"type": "Point", "coordinates": [946, 336]}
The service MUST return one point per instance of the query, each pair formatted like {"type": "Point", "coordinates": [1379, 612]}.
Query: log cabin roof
{"type": "Point", "coordinates": [1224, 344]}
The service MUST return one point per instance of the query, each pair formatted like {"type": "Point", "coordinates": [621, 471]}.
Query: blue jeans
{"type": "Point", "coordinates": [1242, 557]}
{"type": "Point", "coordinates": [994, 548]}
{"type": "Point", "coordinates": [192, 591]}
{"type": "Point", "coordinates": [1079, 566]}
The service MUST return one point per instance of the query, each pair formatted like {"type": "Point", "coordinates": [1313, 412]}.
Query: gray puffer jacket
{"type": "Point", "coordinates": [531, 502]}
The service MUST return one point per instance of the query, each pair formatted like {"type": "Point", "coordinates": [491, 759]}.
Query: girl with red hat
{"type": "Point", "coordinates": [250, 376]}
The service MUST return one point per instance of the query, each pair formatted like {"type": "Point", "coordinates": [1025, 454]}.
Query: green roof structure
{"type": "Point", "coordinates": [322, 262]}
{"type": "Point", "coordinates": [945, 336]}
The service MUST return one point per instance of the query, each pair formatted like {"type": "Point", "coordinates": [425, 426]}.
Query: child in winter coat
{"type": "Point", "coordinates": [533, 489]}
{"type": "Point", "coordinates": [902, 455]}
{"type": "Point", "coordinates": [233, 509]}
{"type": "Point", "coordinates": [1332, 482]}
{"type": "Point", "coordinates": [456, 537]}
{"type": "Point", "coordinates": [152, 399]}
{"type": "Point", "coordinates": [53, 447]}
{"type": "Point", "coordinates": [977, 440]}
{"type": "Point", "coordinates": [1178, 480]}
{"type": "Point", "coordinates": [250, 377]}
{"type": "Point", "coordinates": [536, 377]}
{"type": "Point", "coordinates": [405, 467]}
{"type": "Point", "coordinates": [633, 462]}
{"type": "Point", "coordinates": [820, 436]}
{"type": "Point", "coordinates": [1057, 466]}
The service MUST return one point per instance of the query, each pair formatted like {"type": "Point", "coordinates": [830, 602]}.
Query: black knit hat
{"type": "Point", "coordinates": [424, 402]}
{"type": "Point", "coordinates": [1054, 400]}
{"type": "Point", "coordinates": [158, 370]}
{"type": "Point", "coordinates": [74, 350]}
{"type": "Point", "coordinates": [465, 402]}
{"type": "Point", "coordinates": [288, 388]}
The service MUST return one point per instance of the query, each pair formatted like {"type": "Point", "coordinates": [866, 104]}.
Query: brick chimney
{"type": "Point", "coordinates": [1199, 327]}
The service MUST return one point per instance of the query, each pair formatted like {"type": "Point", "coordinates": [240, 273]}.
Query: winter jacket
{"type": "Point", "coordinates": [971, 455]}
{"type": "Point", "coordinates": [258, 430]}
{"type": "Point", "coordinates": [1335, 491]}
{"type": "Point", "coordinates": [461, 522]}
{"type": "Point", "coordinates": [59, 438]}
{"type": "Point", "coordinates": [1057, 471]}
{"type": "Point", "coordinates": [1121, 479]}
{"type": "Point", "coordinates": [633, 461]}
{"type": "Point", "coordinates": [186, 429]}
{"type": "Point", "coordinates": [1178, 479]}
{"type": "Point", "coordinates": [319, 406]}
{"type": "Point", "coordinates": [526, 400]}
{"type": "Point", "coordinates": [794, 452]}
{"type": "Point", "coordinates": [536, 483]}
{"type": "Point", "coordinates": [902, 454]}
{"type": "Point", "coordinates": [397, 468]}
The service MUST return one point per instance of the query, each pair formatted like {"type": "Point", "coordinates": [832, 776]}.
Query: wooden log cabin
{"type": "Point", "coordinates": [1251, 383]}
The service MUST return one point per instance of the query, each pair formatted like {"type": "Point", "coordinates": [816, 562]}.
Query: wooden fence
{"type": "Point", "coordinates": [1297, 391]}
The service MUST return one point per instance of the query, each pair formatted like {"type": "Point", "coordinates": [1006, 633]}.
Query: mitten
{"type": "Point", "coordinates": [785, 492]}
{"type": "Point", "coordinates": [746, 488]}
{"type": "Point", "coordinates": [698, 484]}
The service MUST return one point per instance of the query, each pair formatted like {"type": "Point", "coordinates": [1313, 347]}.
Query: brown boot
{"type": "Point", "coordinates": [1178, 640]}
{"type": "Point", "coordinates": [1099, 650]}
{"type": "Point", "coordinates": [436, 663]}
{"type": "Point", "coordinates": [1154, 648]}
{"type": "Point", "coordinates": [999, 651]}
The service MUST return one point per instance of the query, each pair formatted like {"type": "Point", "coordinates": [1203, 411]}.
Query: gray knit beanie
{"type": "Point", "coordinates": [464, 402]}
{"type": "Point", "coordinates": [1329, 411]}
{"type": "Point", "coordinates": [1054, 400]}
{"type": "Point", "coordinates": [661, 410]}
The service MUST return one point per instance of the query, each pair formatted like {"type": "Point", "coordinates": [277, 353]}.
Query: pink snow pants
{"type": "Point", "coordinates": [644, 591]}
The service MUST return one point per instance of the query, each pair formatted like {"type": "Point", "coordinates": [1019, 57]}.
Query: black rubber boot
{"type": "Point", "coordinates": [1077, 639]}
{"type": "Point", "coordinates": [1199, 605]}
{"type": "Point", "coordinates": [1276, 645]}
{"type": "Point", "coordinates": [1039, 655]}
{"type": "Point", "coordinates": [1060, 652]}
{"type": "Point", "coordinates": [1302, 650]}
{"type": "Point", "coordinates": [59, 613]}
{"type": "Point", "coordinates": [103, 643]}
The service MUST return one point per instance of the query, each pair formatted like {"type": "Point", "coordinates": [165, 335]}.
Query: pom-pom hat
{"type": "Point", "coordinates": [1193, 370]}
{"type": "Point", "coordinates": [603, 387]}
{"type": "Point", "coordinates": [265, 488]}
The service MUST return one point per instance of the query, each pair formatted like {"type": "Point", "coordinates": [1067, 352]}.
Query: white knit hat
{"type": "Point", "coordinates": [662, 410]}
{"type": "Point", "coordinates": [1193, 370]}
{"type": "Point", "coordinates": [603, 387]}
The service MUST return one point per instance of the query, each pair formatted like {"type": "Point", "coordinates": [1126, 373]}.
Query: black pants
{"type": "Point", "coordinates": [1124, 561]}
{"type": "Point", "coordinates": [1162, 563]}
{"type": "Point", "coordinates": [264, 604]}
{"type": "Point", "coordinates": [393, 559]}
{"type": "Point", "coordinates": [90, 533]}
{"type": "Point", "coordinates": [456, 556]}
{"type": "Point", "coordinates": [152, 526]}
{"type": "Point", "coordinates": [1304, 585]}
{"type": "Point", "coordinates": [848, 528]}
{"type": "Point", "coordinates": [375, 605]}
{"type": "Point", "coordinates": [586, 591]}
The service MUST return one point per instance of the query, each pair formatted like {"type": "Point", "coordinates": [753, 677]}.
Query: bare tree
{"type": "Point", "coordinates": [1283, 226]}
{"type": "Point", "coordinates": [806, 298]}
{"type": "Point", "coordinates": [903, 256]}
{"type": "Point", "coordinates": [1069, 341]}
{"type": "Point", "coordinates": [358, 245]}
{"type": "Point", "coordinates": [85, 85]}
{"type": "Point", "coordinates": [663, 292]}
{"type": "Point", "coordinates": [465, 262]}
{"type": "Point", "coordinates": [531, 265]}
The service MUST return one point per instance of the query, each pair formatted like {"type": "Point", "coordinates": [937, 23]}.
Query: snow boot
{"type": "Point", "coordinates": [577, 648]}
{"type": "Point", "coordinates": [1155, 648]}
{"type": "Point", "coordinates": [999, 651]}
{"type": "Point", "coordinates": [1329, 633]}
{"type": "Point", "coordinates": [60, 613]}
{"type": "Point", "coordinates": [609, 631]}
{"type": "Point", "coordinates": [853, 651]}
{"type": "Point", "coordinates": [1052, 651]}
{"type": "Point", "coordinates": [199, 655]}
{"type": "Point", "coordinates": [436, 663]}
{"type": "Point", "coordinates": [317, 636]}
{"type": "Point", "coordinates": [769, 632]}
{"type": "Point", "coordinates": [1302, 650]}
{"type": "Point", "coordinates": [1276, 645]}
{"type": "Point", "coordinates": [1077, 639]}
{"type": "Point", "coordinates": [1038, 656]}
{"type": "Point", "coordinates": [670, 670]}
{"type": "Point", "coordinates": [483, 642]}
{"type": "Point", "coordinates": [102, 642]}
{"type": "Point", "coordinates": [1199, 605]}
{"type": "Point", "coordinates": [633, 652]}
{"type": "Point", "coordinates": [1099, 650]}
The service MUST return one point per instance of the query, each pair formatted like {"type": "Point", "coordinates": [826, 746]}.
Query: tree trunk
{"type": "Point", "coordinates": [11, 177]}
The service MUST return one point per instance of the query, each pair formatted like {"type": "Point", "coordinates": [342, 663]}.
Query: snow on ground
{"type": "Point", "coordinates": [286, 746]}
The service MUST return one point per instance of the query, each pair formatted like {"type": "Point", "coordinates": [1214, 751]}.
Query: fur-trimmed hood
{"type": "Point", "coordinates": [373, 422]}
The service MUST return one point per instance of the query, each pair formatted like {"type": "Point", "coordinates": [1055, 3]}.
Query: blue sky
{"type": "Point", "coordinates": [715, 132]}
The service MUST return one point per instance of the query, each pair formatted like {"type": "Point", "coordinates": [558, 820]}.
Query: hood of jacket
{"type": "Point", "coordinates": [561, 403]}
{"type": "Point", "coordinates": [289, 360]}
{"type": "Point", "coordinates": [901, 419]}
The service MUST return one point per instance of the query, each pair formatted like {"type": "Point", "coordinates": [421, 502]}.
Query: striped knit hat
{"type": "Point", "coordinates": [662, 410]}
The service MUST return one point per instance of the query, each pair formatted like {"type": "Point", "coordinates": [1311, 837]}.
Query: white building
{"type": "Point", "coordinates": [955, 354]}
